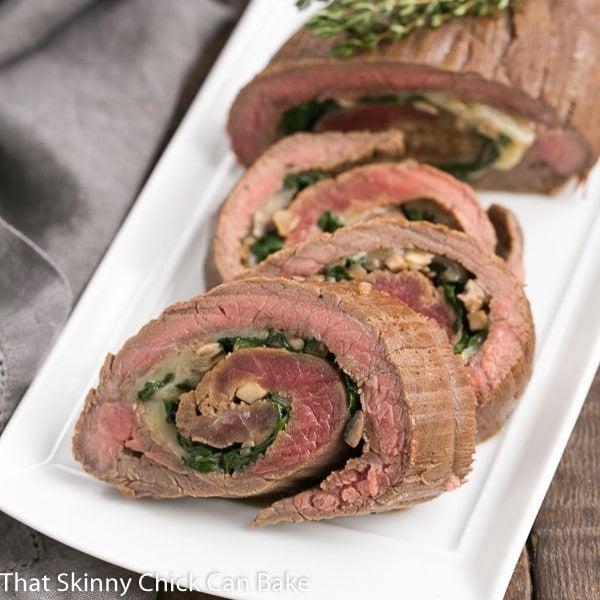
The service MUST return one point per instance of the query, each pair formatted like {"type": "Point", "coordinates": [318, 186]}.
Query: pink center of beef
{"type": "Point", "coordinates": [416, 290]}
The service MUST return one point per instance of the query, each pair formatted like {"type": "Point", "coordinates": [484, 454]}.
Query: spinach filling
{"type": "Point", "coordinates": [271, 241]}
{"type": "Point", "coordinates": [330, 221]}
{"type": "Point", "coordinates": [303, 117]}
{"type": "Point", "coordinates": [467, 337]}
{"type": "Point", "coordinates": [296, 182]}
{"type": "Point", "coordinates": [265, 245]}
{"type": "Point", "coordinates": [339, 271]}
{"type": "Point", "coordinates": [413, 213]}
{"type": "Point", "coordinates": [171, 406]}
{"type": "Point", "coordinates": [152, 386]}
{"type": "Point", "coordinates": [463, 171]}
{"type": "Point", "coordinates": [205, 458]}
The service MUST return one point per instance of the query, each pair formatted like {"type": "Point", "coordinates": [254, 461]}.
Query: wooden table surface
{"type": "Point", "coordinates": [561, 559]}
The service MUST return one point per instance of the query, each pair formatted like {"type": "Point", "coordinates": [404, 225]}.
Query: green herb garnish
{"type": "Point", "coordinates": [266, 245]}
{"type": "Point", "coordinates": [151, 386]}
{"type": "Point", "coordinates": [205, 458]}
{"type": "Point", "coordinates": [303, 117]}
{"type": "Point", "coordinates": [369, 23]}
{"type": "Point", "coordinates": [329, 222]}
{"type": "Point", "coordinates": [296, 182]}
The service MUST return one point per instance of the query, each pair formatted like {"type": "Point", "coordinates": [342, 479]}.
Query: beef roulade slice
{"type": "Point", "coordinates": [246, 226]}
{"type": "Point", "coordinates": [508, 103]}
{"type": "Point", "coordinates": [307, 183]}
{"type": "Point", "coordinates": [446, 276]}
{"type": "Point", "coordinates": [262, 386]}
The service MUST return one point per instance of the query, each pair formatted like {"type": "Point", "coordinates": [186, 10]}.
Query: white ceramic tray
{"type": "Point", "coordinates": [462, 545]}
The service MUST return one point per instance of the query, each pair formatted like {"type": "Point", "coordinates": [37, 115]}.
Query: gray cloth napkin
{"type": "Point", "coordinates": [87, 92]}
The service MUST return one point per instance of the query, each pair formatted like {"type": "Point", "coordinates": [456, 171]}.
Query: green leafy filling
{"type": "Point", "coordinates": [412, 213]}
{"type": "Point", "coordinates": [303, 117]}
{"type": "Point", "coordinates": [489, 155]}
{"type": "Point", "coordinates": [468, 338]}
{"type": "Point", "coordinates": [352, 395]}
{"type": "Point", "coordinates": [330, 221]}
{"type": "Point", "coordinates": [171, 406]}
{"type": "Point", "coordinates": [393, 99]}
{"type": "Point", "coordinates": [185, 386]}
{"type": "Point", "coordinates": [273, 339]}
{"type": "Point", "coordinates": [296, 182]}
{"type": "Point", "coordinates": [339, 271]}
{"type": "Point", "coordinates": [205, 458]}
{"type": "Point", "coordinates": [266, 245]}
{"type": "Point", "coordinates": [152, 386]}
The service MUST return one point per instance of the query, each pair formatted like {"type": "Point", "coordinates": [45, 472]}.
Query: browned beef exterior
{"type": "Point", "coordinates": [501, 367]}
{"type": "Point", "coordinates": [510, 238]}
{"type": "Point", "coordinates": [539, 62]}
{"type": "Point", "coordinates": [415, 422]}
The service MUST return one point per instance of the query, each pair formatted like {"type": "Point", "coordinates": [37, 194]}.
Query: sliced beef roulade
{"type": "Point", "coordinates": [416, 191]}
{"type": "Point", "coordinates": [261, 386]}
{"type": "Point", "coordinates": [508, 103]}
{"type": "Point", "coordinates": [309, 183]}
{"type": "Point", "coordinates": [247, 230]}
{"type": "Point", "coordinates": [446, 276]}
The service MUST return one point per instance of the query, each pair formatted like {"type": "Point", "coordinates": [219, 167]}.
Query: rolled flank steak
{"type": "Point", "coordinates": [246, 231]}
{"type": "Point", "coordinates": [264, 386]}
{"type": "Point", "coordinates": [306, 183]}
{"type": "Point", "coordinates": [507, 103]}
{"type": "Point", "coordinates": [444, 275]}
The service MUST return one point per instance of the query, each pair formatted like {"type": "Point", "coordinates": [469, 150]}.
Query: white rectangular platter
{"type": "Point", "coordinates": [462, 545]}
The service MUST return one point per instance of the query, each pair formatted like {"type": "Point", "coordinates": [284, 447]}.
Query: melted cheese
{"type": "Point", "coordinates": [519, 133]}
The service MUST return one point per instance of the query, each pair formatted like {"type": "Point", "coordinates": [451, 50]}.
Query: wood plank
{"type": "Point", "coordinates": [520, 583]}
{"type": "Point", "coordinates": [565, 541]}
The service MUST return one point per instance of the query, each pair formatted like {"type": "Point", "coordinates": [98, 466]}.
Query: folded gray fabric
{"type": "Point", "coordinates": [58, 572]}
{"type": "Point", "coordinates": [36, 299]}
{"type": "Point", "coordinates": [25, 24]}
{"type": "Point", "coordinates": [87, 93]}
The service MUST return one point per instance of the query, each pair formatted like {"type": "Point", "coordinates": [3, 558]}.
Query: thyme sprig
{"type": "Point", "coordinates": [369, 23]}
